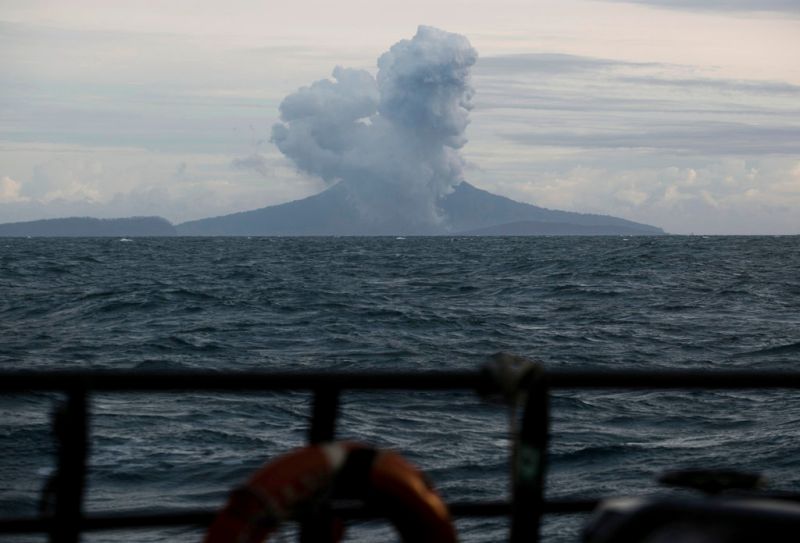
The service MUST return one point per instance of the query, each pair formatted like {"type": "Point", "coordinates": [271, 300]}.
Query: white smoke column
{"type": "Point", "coordinates": [393, 142]}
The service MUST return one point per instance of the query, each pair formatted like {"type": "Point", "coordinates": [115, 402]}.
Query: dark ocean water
{"type": "Point", "coordinates": [389, 304]}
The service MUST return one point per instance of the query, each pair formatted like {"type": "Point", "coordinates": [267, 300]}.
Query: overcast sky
{"type": "Point", "coordinates": [684, 114]}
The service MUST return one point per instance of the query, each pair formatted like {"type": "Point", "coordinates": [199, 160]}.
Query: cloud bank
{"type": "Point", "coordinates": [392, 141]}
{"type": "Point", "coordinates": [788, 6]}
{"type": "Point", "coordinates": [10, 190]}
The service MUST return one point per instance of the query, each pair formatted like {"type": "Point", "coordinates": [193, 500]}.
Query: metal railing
{"type": "Point", "coordinates": [68, 520]}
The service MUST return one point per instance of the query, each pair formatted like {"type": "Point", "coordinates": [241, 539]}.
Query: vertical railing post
{"type": "Point", "coordinates": [320, 528]}
{"type": "Point", "coordinates": [530, 462]}
{"type": "Point", "coordinates": [323, 416]}
{"type": "Point", "coordinates": [71, 429]}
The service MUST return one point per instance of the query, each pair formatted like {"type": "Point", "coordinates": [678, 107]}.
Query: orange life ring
{"type": "Point", "coordinates": [383, 479]}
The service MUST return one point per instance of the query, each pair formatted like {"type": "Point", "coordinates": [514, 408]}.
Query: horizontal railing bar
{"type": "Point", "coordinates": [202, 518]}
{"type": "Point", "coordinates": [674, 379]}
{"type": "Point", "coordinates": [263, 381]}
{"type": "Point", "coordinates": [235, 381]}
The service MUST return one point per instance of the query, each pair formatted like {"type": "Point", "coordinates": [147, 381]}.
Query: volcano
{"type": "Point", "coordinates": [468, 210]}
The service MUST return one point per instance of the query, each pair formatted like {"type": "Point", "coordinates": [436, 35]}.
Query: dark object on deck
{"type": "Point", "coordinates": [708, 520]}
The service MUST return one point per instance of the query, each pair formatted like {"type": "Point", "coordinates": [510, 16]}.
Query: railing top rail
{"type": "Point", "coordinates": [69, 520]}
{"type": "Point", "coordinates": [16, 381]}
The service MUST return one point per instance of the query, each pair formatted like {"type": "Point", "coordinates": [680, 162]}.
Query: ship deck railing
{"type": "Point", "coordinates": [69, 520]}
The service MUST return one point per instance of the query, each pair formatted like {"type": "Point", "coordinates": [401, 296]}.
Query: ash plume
{"type": "Point", "coordinates": [391, 141]}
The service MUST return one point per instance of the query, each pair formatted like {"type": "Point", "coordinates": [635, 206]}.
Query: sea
{"type": "Point", "coordinates": [386, 304]}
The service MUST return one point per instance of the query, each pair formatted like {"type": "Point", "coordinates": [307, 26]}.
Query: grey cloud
{"type": "Point", "coordinates": [788, 6]}
{"type": "Point", "coordinates": [501, 71]}
{"type": "Point", "coordinates": [734, 85]}
{"type": "Point", "coordinates": [656, 108]}
{"type": "Point", "coordinates": [548, 100]}
{"type": "Point", "coordinates": [163, 92]}
{"type": "Point", "coordinates": [255, 162]}
{"type": "Point", "coordinates": [548, 63]}
{"type": "Point", "coordinates": [702, 138]}
{"type": "Point", "coordinates": [594, 87]}
{"type": "Point", "coordinates": [552, 65]}
{"type": "Point", "coordinates": [601, 106]}
{"type": "Point", "coordinates": [392, 140]}
{"type": "Point", "coordinates": [352, 95]}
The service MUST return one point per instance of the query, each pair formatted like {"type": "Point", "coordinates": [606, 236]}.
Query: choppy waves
{"type": "Point", "coordinates": [385, 303]}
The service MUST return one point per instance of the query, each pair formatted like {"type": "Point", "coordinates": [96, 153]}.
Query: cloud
{"type": "Point", "coordinates": [163, 92]}
{"type": "Point", "coordinates": [110, 182]}
{"type": "Point", "coordinates": [10, 191]}
{"type": "Point", "coordinates": [707, 138]}
{"type": "Point", "coordinates": [69, 180]}
{"type": "Point", "coordinates": [549, 63]}
{"type": "Point", "coordinates": [759, 87]}
{"type": "Point", "coordinates": [725, 196]}
{"type": "Point", "coordinates": [255, 162]}
{"type": "Point", "coordinates": [788, 6]}
{"type": "Point", "coordinates": [393, 140]}
{"type": "Point", "coordinates": [594, 104]}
